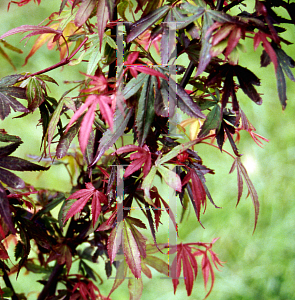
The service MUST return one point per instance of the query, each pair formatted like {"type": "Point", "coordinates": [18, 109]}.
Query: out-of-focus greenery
{"type": "Point", "coordinates": [258, 266]}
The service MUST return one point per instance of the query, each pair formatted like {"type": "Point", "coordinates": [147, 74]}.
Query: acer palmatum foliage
{"type": "Point", "coordinates": [129, 89]}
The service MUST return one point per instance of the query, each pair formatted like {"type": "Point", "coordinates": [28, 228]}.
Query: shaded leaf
{"type": "Point", "coordinates": [11, 180]}
{"type": "Point", "coordinates": [133, 86]}
{"type": "Point", "coordinates": [109, 137]}
{"type": "Point", "coordinates": [144, 23]}
{"type": "Point", "coordinates": [131, 252]}
{"type": "Point", "coordinates": [54, 121]}
{"type": "Point", "coordinates": [19, 164]}
{"type": "Point", "coordinates": [145, 111]}
{"type": "Point", "coordinates": [5, 210]}
{"type": "Point", "coordinates": [281, 85]}
{"type": "Point", "coordinates": [212, 121]}
{"type": "Point", "coordinates": [205, 56]}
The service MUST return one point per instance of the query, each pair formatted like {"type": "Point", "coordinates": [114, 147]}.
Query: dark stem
{"type": "Point", "coordinates": [50, 285]}
{"type": "Point", "coordinates": [8, 284]}
{"type": "Point", "coordinates": [231, 5]}
{"type": "Point", "coordinates": [219, 4]}
{"type": "Point", "coordinates": [113, 65]}
{"type": "Point", "coordinates": [187, 75]}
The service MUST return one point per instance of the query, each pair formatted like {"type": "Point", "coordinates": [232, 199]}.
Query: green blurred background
{"type": "Point", "coordinates": [259, 266]}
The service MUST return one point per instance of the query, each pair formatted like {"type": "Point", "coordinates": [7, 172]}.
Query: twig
{"type": "Point", "coordinates": [219, 5]}
{"type": "Point", "coordinates": [187, 74]}
{"type": "Point", "coordinates": [231, 5]}
{"type": "Point", "coordinates": [63, 62]}
{"type": "Point", "coordinates": [8, 284]}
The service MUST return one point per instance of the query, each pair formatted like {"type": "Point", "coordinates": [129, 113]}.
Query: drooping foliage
{"type": "Point", "coordinates": [123, 115]}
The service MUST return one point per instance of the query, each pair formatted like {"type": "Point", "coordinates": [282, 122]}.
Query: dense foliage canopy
{"type": "Point", "coordinates": [125, 114]}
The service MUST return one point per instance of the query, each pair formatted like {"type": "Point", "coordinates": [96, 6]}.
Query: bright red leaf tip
{"type": "Point", "coordinates": [83, 196]}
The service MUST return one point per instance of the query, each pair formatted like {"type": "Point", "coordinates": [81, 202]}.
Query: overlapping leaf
{"type": "Point", "coordinates": [83, 196]}
{"type": "Point", "coordinates": [141, 158]}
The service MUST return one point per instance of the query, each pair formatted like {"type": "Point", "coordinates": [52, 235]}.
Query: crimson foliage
{"type": "Point", "coordinates": [129, 89]}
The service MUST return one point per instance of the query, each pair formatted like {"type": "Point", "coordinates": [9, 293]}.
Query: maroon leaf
{"type": "Point", "coordinates": [8, 93]}
{"type": "Point", "coordinates": [5, 210]}
{"type": "Point", "coordinates": [242, 173]}
{"type": "Point", "coordinates": [19, 164]}
{"type": "Point", "coordinates": [11, 180]}
{"type": "Point", "coordinates": [198, 191]}
{"type": "Point", "coordinates": [86, 125]}
{"type": "Point", "coordinates": [109, 137]}
{"type": "Point", "coordinates": [102, 15]}
{"type": "Point", "coordinates": [84, 12]}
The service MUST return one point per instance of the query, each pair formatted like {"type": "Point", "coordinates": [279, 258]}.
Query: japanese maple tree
{"type": "Point", "coordinates": [123, 115]}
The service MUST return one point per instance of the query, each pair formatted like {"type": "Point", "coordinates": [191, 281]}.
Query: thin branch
{"type": "Point", "coordinates": [187, 75]}
{"type": "Point", "coordinates": [219, 5]}
{"type": "Point", "coordinates": [231, 5]}
{"type": "Point", "coordinates": [63, 62]}
{"type": "Point", "coordinates": [8, 284]}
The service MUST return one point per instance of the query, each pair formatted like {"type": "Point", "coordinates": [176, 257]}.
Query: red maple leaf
{"type": "Point", "coordinates": [158, 209]}
{"type": "Point", "coordinates": [82, 197]}
{"type": "Point", "coordinates": [135, 68]}
{"type": "Point", "coordinates": [187, 259]}
{"type": "Point", "coordinates": [86, 126]}
{"type": "Point", "coordinates": [141, 158]}
{"type": "Point", "coordinates": [198, 190]}
{"type": "Point", "coordinates": [87, 289]}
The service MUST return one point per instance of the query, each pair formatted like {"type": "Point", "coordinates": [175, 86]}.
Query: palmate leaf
{"type": "Point", "coordinates": [83, 196]}
{"type": "Point", "coordinates": [242, 173]}
{"type": "Point", "coordinates": [8, 93]}
{"type": "Point", "coordinates": [141, 158]}
{"type": "Point", "coordinates": [198, 191]}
